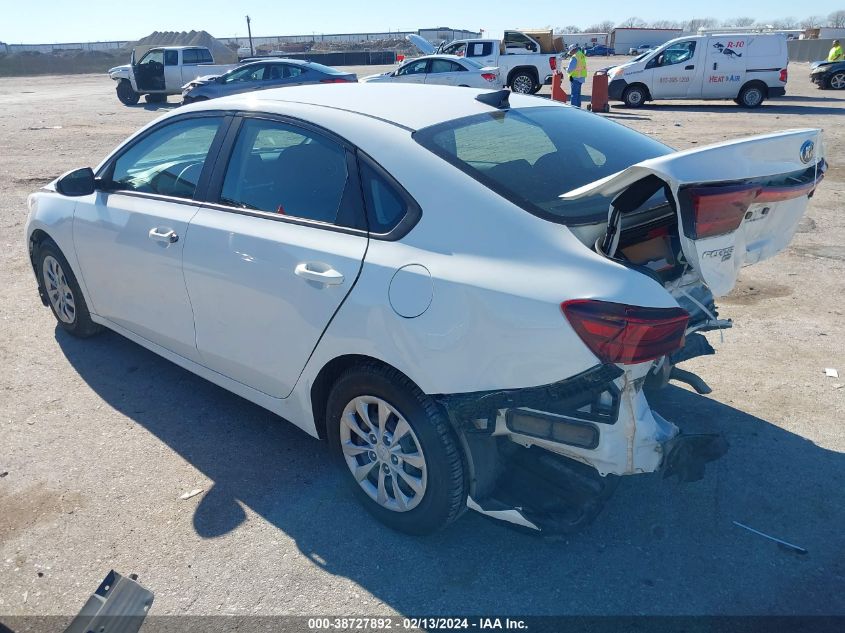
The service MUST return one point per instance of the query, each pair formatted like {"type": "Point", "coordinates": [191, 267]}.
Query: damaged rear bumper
{"type": "Point", "coordinates": [547, 458]}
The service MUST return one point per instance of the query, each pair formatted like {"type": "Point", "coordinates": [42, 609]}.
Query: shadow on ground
{"type": "Point", "coordinates": [659, 547]}
{"type": "Point", "coordinates": [781, 105]}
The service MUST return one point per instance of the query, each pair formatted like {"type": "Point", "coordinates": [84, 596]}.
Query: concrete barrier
{"type": "Point", "coordinates": [808, 50]}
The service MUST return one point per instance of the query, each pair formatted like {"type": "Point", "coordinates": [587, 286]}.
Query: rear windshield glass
{"type": "Point", "coordinates": [325, 69]}
{"type": "Point", "coordinates": [532, 155]}
{"type": "Point", "coordinates": [473, 63]}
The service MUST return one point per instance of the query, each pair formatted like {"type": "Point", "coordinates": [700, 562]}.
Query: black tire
{"type": "Point", "coordinates": [523, 82]}
{"type": "Point", "coordinates": [752, 95]}
{"type": "Point", "coordinates": [78, 320]}
{"type": "Point", "coordinates": [635, 96]}
{"type": "Point", "coordinates": [837, 78]}
{"type": "Point", "coordinates": [125, 94]}
{"type": "Point", "coordinates": [445, 493]}
{"type": "Point", "coordinates": [156, 98]}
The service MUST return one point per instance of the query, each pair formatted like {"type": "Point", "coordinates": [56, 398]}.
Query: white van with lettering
{"type": "Point", "coordinates": [745, 67]}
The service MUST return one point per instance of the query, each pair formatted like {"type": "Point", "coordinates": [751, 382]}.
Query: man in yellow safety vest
{"type": "Point", "coordinates": [577, 73]}
{"type": "Point", "coordinates": [835, 54]}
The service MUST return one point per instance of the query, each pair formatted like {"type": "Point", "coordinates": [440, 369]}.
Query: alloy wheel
{"type": "Point", "coordinates": [523, 84]}
{"type": "Point", "coordinates": [837, 81]}
{"type": "Point", "coordinates": [383, 453]}
{"type": "Point", "coordinates": [58, 290]}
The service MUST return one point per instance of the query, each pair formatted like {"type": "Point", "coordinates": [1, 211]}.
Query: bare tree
{"type": "Point", "coordinates": [600, 27]}
{"type": "Point", "coordinates": [632, 23]}
{"type": "Point", "coordinates": [785, 23]}
{"type": "Point", "coordinates": [837, 19]}
{"type": "Point", "coordinates": [665, 24]}
{"type": "Point", "coordinates": [701, 23]}
{"type": "Point", "coordinates": [571, 29]}
{"type": "Point", "coordinates": [740, 22]}
{"type": "Point", "coordinates": [812, 22]}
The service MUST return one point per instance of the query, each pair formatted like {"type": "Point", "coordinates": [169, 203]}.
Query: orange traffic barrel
{"type": "Point", "coordinates": [558, 93]}
{"type": "Point", "coordinates": [598, 97]}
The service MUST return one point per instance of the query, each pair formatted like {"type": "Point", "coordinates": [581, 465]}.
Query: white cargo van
{"type": "Point", "coordinates": [745, 67]}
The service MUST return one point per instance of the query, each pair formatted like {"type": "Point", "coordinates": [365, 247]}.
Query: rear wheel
{"type": "Point", "coordinates": [399, 454]}
{"type": "Point", "coordinates": [63, 293]}
{"type": "Point", "coordinates": [751, 96]}
{"type": "Point", "coordinates": [523, 82]}
{"type": "Point", "coordinates": [125, 94]}
{"type": "Point", "coordinates": [836, 81]}
{"type": "Point", "coordinates": [634, 96]}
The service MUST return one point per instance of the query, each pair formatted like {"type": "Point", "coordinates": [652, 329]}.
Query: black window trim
{"type": "Point", "coordinates": [214, 186]}
{"type": "Point", "coordinates": [105, 173]}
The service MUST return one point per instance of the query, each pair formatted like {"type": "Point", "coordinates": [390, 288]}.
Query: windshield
{"type": "Point", "coordinates": [532, 155]}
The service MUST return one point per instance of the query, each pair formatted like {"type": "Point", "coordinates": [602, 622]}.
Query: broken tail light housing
{"type": "Point", "coordinates": [716, 210]}
{"type": "Point", "coordinates": [626, 334]}
{"type": "Point", "coordinates": [552, 427]}
{"type": "Point", "coordinates": [784, 75]}
{"type": "Point", "coordinates": [489, 76]}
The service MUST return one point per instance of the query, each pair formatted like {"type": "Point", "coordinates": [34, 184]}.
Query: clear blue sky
{"type": "Point", "coordinates": [50, 21]}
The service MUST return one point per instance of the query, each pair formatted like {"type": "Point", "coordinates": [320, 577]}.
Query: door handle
{"type": "Point", "coordinates": [162, 235]}
{"type": "Point", "coordinates": [311, 271]}
{"type": "Point", "coordinates": [715, 65]}
{"type": "Point", "coordinates": [690, 67]}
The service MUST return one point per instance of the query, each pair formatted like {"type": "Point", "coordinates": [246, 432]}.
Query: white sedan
{"type": "Point", "coordinates": [445, 70]}
{"type": "Point", "coordinates": [463, 295]}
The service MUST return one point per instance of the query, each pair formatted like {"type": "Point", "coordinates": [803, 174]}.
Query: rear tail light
{"type": "Point", "coordinates": [784, 75]}
{"type": "Point", "coordinates": [489, 76]}
{"type": "Point", "coordinates": [618, 333]}
{"type": "Point", "coordinates": [709, 211]}
{"type": "Point", "coordinates": [553, 63]}
{"type": "Point", "coordinates": [336, 80]}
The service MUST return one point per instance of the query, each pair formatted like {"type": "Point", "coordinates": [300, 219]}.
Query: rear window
{"type": "Point", "coordinates": [328, 70]}
{"type": "Point", "coordinates": [532, 155]}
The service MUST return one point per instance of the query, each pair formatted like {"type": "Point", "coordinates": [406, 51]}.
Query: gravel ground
{"type": "Point", "coordinates": [100, 438]}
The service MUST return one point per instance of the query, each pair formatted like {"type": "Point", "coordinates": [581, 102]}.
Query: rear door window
{"type": "Point", "coordinates": [287, 170]}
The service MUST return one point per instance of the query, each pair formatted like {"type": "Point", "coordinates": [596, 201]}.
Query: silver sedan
{"type": "Point", "coordinates": [444, 70]}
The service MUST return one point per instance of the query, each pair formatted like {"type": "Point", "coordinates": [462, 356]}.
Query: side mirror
{"type": "Point", "coordinates": [219, 79]}
{"type": "Point", "coordinates": [79, 182]}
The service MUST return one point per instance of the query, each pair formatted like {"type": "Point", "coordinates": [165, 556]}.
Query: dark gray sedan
{"type": "Point", "coordinates": [260, 75]}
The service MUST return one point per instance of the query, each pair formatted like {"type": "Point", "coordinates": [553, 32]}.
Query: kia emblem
{"type": "Point", "coordinates": [807, 151]}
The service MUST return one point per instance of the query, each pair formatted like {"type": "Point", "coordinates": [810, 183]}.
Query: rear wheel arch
{"type": "Point", "coordinates": [749, 85]}
{"type": "Point", "coordinates": [520, 70]}
{"type": "Point", "coordinates": [326, 378]}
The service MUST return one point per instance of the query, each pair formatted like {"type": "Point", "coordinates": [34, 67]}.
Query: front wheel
{"type": "Point", "coordinates": [523, 83]}
{"type": "Point", "coordinates": [634, 96]}
{"type": "Point", "coordinates": [63, 293]}
{"type": "Point", "coordinates": [836, 81]}
{"type": "Point", "coordinates": [751, 96]}
{"type": "Point", "coordinates": [125, 94]}
{"type": "Point", "coordinates": [399, 453]}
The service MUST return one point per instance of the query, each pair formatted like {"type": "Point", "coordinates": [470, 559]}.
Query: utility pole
{"type": "Point", "coordinates": [249, 31]}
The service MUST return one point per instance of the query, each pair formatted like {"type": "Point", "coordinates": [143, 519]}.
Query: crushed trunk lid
{"type": "Point", "coordinates": [737, 202]}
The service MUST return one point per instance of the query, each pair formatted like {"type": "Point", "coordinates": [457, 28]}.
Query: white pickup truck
{"type": "Point", "coordinates": [163, 71]}
{"type": "Point", "coordinates": [523, 63]}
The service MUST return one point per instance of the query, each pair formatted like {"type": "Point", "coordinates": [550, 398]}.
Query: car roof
{"type": "Point", "coordinates": [410, 106]}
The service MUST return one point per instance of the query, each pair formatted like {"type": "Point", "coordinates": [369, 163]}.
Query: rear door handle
{"type": "Point", "coordinates": [690, 67]}
{"type": "Point", "coordinates": [322, 274]}
{"type": "Point", "coordinates": [715, 65]}
{"type": "Point", "coordinates": [163, 235]}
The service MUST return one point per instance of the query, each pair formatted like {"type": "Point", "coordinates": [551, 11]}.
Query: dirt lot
{"type": "Point", "coordinates": [100, 438]}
